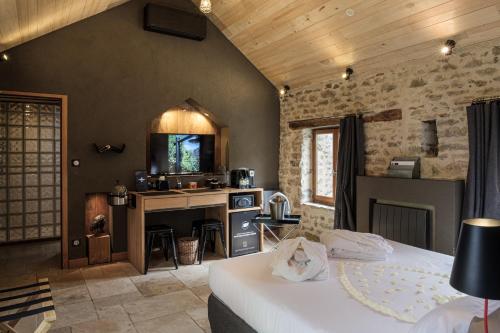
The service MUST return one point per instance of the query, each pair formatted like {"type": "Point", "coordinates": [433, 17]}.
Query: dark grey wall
{"type": "Point", "coordinates": [118, 77]}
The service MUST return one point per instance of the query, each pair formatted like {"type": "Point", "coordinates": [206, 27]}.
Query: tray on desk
{"type": "Point", "coordinates": [266, 219]}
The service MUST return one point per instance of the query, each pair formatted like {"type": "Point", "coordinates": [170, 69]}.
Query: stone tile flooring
{"type": "Point", "coordinates": [113, 297]}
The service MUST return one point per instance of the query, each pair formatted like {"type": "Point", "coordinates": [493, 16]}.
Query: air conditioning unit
{"type": "Point", "coordinates": [174, 22]}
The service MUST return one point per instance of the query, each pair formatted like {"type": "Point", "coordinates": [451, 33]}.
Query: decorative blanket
{"type": "Point", "coordinates": [401, 291]}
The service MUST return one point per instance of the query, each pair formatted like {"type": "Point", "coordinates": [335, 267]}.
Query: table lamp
{"type": "Point", "coordinates": [476, 268]}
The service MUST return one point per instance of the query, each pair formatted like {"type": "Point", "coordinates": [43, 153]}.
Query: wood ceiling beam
{"type": "Point", "coordinates": [387, 115]}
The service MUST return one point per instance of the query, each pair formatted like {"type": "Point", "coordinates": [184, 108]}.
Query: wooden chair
{"type": "Point", "coordinates": [36, 300]}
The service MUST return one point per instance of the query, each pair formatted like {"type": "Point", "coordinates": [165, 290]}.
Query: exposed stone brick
{"type": "Point", "coordinates": [434, 88]}
{"type": "Point", "coordinates": [417, 83]}
{"type": "Point", "coordinates": [473, 63]}
{"type": "Point", "coordinates": [487, 71]}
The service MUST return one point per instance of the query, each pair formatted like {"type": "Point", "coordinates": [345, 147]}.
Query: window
{"type": "Point", "coordinates": [324, 150]}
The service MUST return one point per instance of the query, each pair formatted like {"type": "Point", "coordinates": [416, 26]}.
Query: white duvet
{"type": "Point", "coordinates": [271, 304]}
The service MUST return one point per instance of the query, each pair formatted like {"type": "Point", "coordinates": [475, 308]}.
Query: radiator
{"type": "Point", "coordinates": [402, 224]}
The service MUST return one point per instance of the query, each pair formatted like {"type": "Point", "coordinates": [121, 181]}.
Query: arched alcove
{"type": "Point", "coordinates": [190, 117]}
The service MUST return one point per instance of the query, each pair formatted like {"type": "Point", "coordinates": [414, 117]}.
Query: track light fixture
{"type": "Point", "coordinates": [347, 74]}
{"type": "Point", "coordinates": [448, 47]}
{"type": "Point", "coordinates": [4, 57]}
{"type": "Point", "coordinates": [284, 90]}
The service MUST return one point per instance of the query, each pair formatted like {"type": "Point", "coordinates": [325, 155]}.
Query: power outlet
{"type": "Point", "coordinates": [76, 242]}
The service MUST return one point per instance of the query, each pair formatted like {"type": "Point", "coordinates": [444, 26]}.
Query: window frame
{"type": "Point", "coordinates": [323, 200]}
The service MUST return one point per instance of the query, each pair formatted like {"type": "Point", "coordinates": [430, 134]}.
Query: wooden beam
{"type": "Point", "coordinates": [387, 115]}
{"type": "Point", "coordinates": [315, 122]}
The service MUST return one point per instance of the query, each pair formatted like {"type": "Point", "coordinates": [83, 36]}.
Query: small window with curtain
{"type": "Point", "coordinates": [324, 164]}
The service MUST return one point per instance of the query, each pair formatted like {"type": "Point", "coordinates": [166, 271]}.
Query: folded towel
{"type": "Point", "coordinates": [455, 316]}
{"type": "Point", "coordinates": [299, 259]}
{"type": "Point", "coordinates": [355, 245]}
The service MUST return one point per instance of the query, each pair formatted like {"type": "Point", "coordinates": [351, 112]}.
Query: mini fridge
{"type": "Point", "coordinates": [244, 235]}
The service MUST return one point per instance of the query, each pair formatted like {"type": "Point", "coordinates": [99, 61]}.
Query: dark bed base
{"type": "Point", "coordinates": [224, 320]}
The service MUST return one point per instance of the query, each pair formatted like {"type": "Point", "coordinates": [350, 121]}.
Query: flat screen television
{"type": "Point", "coordinates": [174, 154]}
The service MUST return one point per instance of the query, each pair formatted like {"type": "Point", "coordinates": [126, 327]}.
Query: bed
{"type": "Point", "coordinates": [247, 298]}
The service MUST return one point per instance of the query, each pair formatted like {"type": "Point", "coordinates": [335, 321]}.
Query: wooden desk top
{"type": "Point", "coordinates": [187, 193]}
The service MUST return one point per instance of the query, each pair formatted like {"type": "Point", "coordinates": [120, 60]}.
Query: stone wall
{"type": "Point", "coordinates": [436, 89]}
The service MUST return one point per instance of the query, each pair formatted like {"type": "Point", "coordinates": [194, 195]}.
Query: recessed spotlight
{"type": "Point", "coordinates": [347, 74]}
{"type": "Point", "coordinates": [4, 57]}
{"type": "Point", "coordinates": [349, 12]}
{"type": "Point", "coordinates": [284, 90]}
{"type": "Point", "coordinates": [448, 47]}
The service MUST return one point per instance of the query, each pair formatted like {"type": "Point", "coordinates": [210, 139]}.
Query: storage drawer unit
{"type": "Point", "coordinates": [207, 200]}
{"type": "Point", "coordinates": [244, 237]}
{"type": "Point", "coordinates": [165, 203]}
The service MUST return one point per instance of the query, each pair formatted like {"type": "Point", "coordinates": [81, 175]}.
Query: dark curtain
{"type": "Point", "coordinates": [351, 163]}
{"type": "Point", "coordinates": [482, 189]}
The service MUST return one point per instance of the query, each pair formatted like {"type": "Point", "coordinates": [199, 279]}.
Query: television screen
{"type": "Point", "coordinates": [181, 153]}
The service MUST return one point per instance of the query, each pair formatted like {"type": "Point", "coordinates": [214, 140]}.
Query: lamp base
{"type": "Point", "coordinates": [485, 315]}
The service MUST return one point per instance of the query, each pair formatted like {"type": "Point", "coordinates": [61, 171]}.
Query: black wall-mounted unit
{"type": "Point", "coordinates": [175, 22]}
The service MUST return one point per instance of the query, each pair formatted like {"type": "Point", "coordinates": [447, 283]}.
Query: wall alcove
{"type": "Point", "coordinates": [190, 117]}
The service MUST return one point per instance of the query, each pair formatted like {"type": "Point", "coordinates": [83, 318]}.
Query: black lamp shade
{"type": "Point", "coordinates": [476, 269]}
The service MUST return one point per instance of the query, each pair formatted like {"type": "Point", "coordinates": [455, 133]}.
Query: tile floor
{"type": "Point", "coordinates": [113, 297]}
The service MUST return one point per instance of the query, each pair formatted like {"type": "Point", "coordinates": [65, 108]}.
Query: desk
{"type": "Point", "coordinates": [215, 202]}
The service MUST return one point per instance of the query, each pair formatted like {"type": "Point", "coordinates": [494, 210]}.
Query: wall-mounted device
{"type": "Point", "coordinates": [404, 167]}
{"type": "Point", "coordinates": [238, 201]}
{"type": "Point", "coordinates": [175, 22]}
{"type": "Point", "coordinates": [177, 154]}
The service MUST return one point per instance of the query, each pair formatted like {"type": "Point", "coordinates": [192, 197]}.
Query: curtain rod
{"type": "Point", "coordinates": [485, 99]}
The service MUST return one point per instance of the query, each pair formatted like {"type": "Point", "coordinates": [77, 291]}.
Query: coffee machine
{"type": "Point", "coordinates": [243, 178]}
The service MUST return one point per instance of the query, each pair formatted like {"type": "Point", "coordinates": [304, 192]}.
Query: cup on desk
{"type": "Point", "coordinates": [193, 185]}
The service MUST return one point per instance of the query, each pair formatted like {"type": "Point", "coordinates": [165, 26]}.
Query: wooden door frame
{"type": "Point", "coordinates": [64, 166]}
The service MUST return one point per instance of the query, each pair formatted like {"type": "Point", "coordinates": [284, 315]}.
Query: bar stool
{"type": "Point", "coordinates": [167, 236]}
{"type": "Point", "coordinates": [208, 226]}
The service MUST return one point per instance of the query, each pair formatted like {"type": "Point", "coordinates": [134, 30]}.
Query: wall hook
{"type": "Point", "coordinates": [109, 148]}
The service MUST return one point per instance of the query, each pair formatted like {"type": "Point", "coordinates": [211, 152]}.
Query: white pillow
{"type": "Point", "coordinates": [453, 317]}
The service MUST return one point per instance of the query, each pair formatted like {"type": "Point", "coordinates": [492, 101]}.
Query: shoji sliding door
{"type": "Point", "coordinates": [30, 168]}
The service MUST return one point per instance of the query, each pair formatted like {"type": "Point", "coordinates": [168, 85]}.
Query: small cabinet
{"type": "Point", "coordinates": [99, 249]}
{"type": "Point", "coordinates": [244, 236]}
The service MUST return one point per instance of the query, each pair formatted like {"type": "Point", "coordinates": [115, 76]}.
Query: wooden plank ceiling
{"type": "Point", "coordinates": [301, 42]}
{"type": "Point", "coordinates": [24, 20]}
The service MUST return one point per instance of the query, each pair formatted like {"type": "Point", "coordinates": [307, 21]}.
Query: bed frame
{"type": "Point", "coordinates": [224, 320]}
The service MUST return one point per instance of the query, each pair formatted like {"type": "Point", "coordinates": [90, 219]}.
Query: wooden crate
{"type": "Point", "coordinates": [99, 249]}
